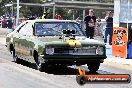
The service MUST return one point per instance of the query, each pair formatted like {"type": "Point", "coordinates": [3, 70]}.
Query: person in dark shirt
{"type": "Point", "coordinates": [9, 23]}
{"type": "Point", "coordinates": [31, 17]}
{"type": "Point", "coordinates": [129, 35]}
{"type": "Point", "coordinates": [109, 27]}
{"type": "Point", "coordinates": [90, 21]}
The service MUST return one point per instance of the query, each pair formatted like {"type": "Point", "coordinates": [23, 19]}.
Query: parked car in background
{"type": "Point", "coordinates": [49, 43]}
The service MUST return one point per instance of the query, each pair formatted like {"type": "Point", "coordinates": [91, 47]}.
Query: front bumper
{"type": "Point", "coordinates": [76, 58]}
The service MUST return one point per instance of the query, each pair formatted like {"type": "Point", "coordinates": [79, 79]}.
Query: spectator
{"type": "Point", "coordinates": [4, 22]}
{"type": "Point", "coordinates": [109, 27]}
{"type": "Point", "coordinates": [9, 23]}
{"type": "Point", "coordinates": [44, 15]}
{"type": "Point", "coordinates": [57, 16]}
{"type": "Point", "coordinates": [98, 27]}
{"type": "Point", "coordinates": [78, 18]}
{"type": "Point", "coordinates": [90, 21]}
{"type": "Point", "coordinates": [31, 17]}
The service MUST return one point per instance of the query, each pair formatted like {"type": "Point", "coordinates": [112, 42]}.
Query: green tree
{"type": "Point", "coordinates": [38, 10]}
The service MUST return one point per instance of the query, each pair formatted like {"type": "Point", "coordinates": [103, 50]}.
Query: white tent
{"type": "Point", "coordinates": [122, 12]}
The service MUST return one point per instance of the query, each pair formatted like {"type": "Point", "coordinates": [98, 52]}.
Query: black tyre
{"type": "Point", "coordinates": [42, 67]}
{"type": "Point", "coordinates": [39, 65]}
{"type": "Point", "coordinates": [93, 67]}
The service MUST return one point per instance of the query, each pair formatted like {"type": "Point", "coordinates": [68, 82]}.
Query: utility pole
{"type": "Point", "coordinates": [73, 16]}
{"type": "Point", "coordinates": [44, 9]}
{"type": "Point", "coordinates": [44, 6]}
{"type": "Point", "coordinates": [12, 9]}
{"type": "Point", "coordinates": [53, 9]}
{"type": "Point", "coordinates": [83, 13]}
{"type": "Point", "coordinates": [17, 19]}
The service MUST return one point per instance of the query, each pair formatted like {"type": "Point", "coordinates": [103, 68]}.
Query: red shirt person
{"type": "Point", "coordinates": [58, 17]}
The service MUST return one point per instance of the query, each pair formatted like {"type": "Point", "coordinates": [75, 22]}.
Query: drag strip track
{"type": "Point", "coordinates": [72, 70]}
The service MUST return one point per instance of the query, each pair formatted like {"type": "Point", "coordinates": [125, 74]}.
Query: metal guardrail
{"type": "Point", "coordinates": [83, 3]}
{"type": "Point", "coordinates": [98, 1]}
{"type": "Point", "coordinates": [73, 5]}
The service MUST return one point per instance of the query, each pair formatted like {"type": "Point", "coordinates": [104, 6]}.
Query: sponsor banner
{"type": "Point", "coordinates": [119, 42]}
{"type": "Point", "coordinates": [82, 78]}
{"type": "Point", "coordinates": [103, 78]}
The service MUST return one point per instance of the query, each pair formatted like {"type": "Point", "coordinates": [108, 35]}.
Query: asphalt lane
{"type": "Point", "coordinates": [13, 75]}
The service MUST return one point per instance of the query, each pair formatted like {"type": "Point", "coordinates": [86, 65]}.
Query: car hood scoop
{"type": "Point", "coordinates": [80, 41]}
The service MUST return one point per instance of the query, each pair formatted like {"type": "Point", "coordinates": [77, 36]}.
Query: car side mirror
{"type": "Point", "coordinates": [17, 30]}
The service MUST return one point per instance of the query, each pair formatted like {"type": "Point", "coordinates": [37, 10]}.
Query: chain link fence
{"type": "Point", "coordinates": [99, 28]}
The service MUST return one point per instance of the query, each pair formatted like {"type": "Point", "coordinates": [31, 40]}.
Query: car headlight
{"type": "Point", "coordinates": [99, 50]}
{"type": "Point", "coordinates": [50, 51]}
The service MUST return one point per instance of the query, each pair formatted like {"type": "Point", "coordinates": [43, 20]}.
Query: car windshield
{"type": "Point", "coordinates": [55, 28]}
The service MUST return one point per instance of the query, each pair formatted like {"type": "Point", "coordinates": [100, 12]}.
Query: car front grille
{"type": "Point", "coordinates": [76, 51]}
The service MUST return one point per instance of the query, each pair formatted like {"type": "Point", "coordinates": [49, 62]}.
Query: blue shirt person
{"type": "Point", "coordinates": [109, 27]}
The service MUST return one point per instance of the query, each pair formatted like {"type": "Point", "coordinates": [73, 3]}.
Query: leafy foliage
{"type": "Point", "coordinates": [38, 10]}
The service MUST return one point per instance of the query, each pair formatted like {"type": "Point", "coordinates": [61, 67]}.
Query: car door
{"type": "Point", "coordinates": [17, 38]}
{"type": "Point", "coordinates": [24, 43]}
{"type": "Point", "coordinates": [28, 42]}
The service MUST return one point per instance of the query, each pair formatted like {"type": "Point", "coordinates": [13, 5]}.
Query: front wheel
{"type": "Point", "coordinates": [41, 66]}
{"type": "Point", "coordinates": [93, 67]}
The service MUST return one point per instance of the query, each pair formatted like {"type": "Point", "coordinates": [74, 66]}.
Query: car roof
{"type": "Point", "coordinates": [50, 20]}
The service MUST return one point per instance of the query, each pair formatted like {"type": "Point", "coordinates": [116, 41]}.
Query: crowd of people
{"type": "Point", "coordinates": [6, 21]}
{"type": "Point", "coordinates": [10, 22]}
{"type": "Point", "coordinates": [91, 22]}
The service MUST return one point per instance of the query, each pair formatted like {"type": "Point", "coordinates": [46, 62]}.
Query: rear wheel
{"type": "Point", "coordinates": [15, 57]}
{"type": "Point", "coordinates": [93, 67]}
